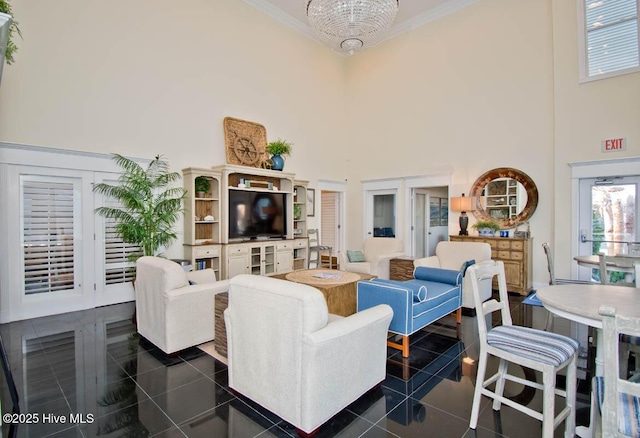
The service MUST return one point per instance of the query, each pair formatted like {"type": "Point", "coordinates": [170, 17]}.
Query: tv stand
{"type": "Point", "coordinates": [263, 255]}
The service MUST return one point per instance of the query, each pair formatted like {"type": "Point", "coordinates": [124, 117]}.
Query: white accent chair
{"type": "Point", "coordinates": [451, 255]}
{"type": "Point", "coordinates": [534, 349]}
{"type": "Point", "coordinates": [378, 251]}
{"type": "Point", "coordinates": [171, 313]}
{"type": "Point", "coordinates": [289, 355]}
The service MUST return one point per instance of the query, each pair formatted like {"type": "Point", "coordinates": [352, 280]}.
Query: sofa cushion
{"type": "Point", "coordinates": [439, 293]}
{"type": "Point", "coordinates": [419, 289]}
{"type": "Point", "coordinates": [438, 275]}
{"type": "Point", "coordinates": [355, 256]}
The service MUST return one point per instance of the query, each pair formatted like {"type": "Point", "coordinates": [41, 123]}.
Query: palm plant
{"type": "Point", "coordinates": [11, 48]}
{"type": "Point", "coordinates": [149, 207]}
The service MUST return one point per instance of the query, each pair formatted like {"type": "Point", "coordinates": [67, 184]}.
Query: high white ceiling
{"type": "Point", "coordinates": [411, 13]}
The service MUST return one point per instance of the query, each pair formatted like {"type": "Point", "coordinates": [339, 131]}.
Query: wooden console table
{"type": "Point", "coordinates": [516, 253]}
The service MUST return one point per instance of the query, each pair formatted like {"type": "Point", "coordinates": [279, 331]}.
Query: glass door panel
{"type": "Point", "coordinates": [609, 219]}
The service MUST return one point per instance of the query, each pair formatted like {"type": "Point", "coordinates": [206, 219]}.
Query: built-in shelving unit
{"type": "Point", "coordinates": [202, 220]}
{"type": "Point", "coordinates": [301, 244]}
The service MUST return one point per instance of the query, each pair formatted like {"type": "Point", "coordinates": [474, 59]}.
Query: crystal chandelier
{"type": "Point", "coordinates": [351, 25]}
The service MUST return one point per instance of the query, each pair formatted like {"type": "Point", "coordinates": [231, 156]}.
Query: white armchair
{"type": "Point", "coordinates": [171, 313]}
{"type": "Point", "coordinates": [451, 255]}
{"type": "Point", "coordinates": [378, 251]}
{"type": "Point", "coordinates": [289, 355]}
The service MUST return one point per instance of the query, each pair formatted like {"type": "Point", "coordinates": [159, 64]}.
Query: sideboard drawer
{"type": "Point", "coordinates": [517, 245]}
{"type": "Point", "coordinates": [504, 244]}
{"type": "Point", "coordinates": [504, 255]}
{"type": "Point", "coordinates": [515, 255]}
{"type": "Point", "coordinates": [207, 251]}
{"type": "Point", "coordinates": [300, 243]}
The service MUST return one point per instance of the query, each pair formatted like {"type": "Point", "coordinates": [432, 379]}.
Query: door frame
{"type": "Point", "coordinates": [422, 182]}
{"type": "Point", "coordinates": [593, 169]}
{"type": "Point", "coordinates": [340, 188]}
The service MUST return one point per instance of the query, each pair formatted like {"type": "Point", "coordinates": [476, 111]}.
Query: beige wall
{"type": "Point", "coordinates": [495, 84]}
{"type": "Point", "coordinates": [158, 77]}
{"type": "Point", "coordinates": [466, 93]}
{"type": "Point", "coordinates": [585, 114]}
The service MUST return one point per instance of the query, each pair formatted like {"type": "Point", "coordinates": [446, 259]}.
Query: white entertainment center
{"type": "Point", "coordinates": [226, 240]}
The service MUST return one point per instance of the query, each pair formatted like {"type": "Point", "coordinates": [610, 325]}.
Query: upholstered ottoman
{"type": "Point", "coordinates": [431, 295]}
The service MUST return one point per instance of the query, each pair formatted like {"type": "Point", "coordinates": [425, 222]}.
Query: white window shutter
{"type": "Point", "coordinates": [48, 212]}
{"type": "Point", "coordinates": [612, 36]}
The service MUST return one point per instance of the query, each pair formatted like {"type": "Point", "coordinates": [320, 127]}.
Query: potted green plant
{"type": "Point", "coordinates": [149, 205]}
{"type": "Point", "coordinates": [278, 149]}
{"type": "Point", "coordinates": [202, 186]}
{"type": "Point", "coordinates": [297, 211]}
{"type": "Point", "coordinates": [11, 48]}
{"type": "Point", "coordinates": [486, 227]}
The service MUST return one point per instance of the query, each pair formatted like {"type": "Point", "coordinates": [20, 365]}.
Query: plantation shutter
{"type": "Point", "coordinates": [118, 268]}
{"type": "Point", "coordinates": [48, 229]}
{"type": "Point", "coordinates": [612, 35]}
{"type": "Point", "coordinates": [328, 225]}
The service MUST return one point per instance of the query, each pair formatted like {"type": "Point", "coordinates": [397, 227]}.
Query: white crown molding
{"type": "Point", "coordinates": [284, 18]}
{"type": "Point", "coordinates": [427, 17]}
{"type": "Point", "coordinates": [443, 10]}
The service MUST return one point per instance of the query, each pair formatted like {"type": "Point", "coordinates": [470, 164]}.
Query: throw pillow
{"type": "Point", "coordinates": [355, 256]}
{"type": "Point", "coordinates": [465, 265]}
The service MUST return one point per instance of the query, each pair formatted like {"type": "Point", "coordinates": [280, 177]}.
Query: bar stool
{"type": "Point", "coordinates": [315, 247]}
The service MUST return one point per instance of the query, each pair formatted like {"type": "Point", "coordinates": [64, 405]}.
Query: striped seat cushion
{"type": "Point", "coordinates": [628, 409]}
{"type": "Point", "coordinates": [538, 345]}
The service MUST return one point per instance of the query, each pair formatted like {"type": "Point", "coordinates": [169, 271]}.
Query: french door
{"type": "Point", "coordinates": [64, 256]}
{"type": "Point", "coordinates": [609, 219]}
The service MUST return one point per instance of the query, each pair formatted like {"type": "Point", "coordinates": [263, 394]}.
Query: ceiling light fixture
{"type": "Point", "coordinates": [351, 25]}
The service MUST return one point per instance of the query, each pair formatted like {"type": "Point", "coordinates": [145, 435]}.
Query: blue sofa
{"type": "Point", "coordinates": [432, 294]}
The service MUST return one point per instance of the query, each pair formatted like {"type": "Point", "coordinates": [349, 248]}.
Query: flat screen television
{"type": "Point", "coordinates": [257, 215]}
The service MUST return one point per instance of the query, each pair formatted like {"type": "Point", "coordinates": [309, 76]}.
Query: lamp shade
{"type": "Point", "coordinates": [463, 203]}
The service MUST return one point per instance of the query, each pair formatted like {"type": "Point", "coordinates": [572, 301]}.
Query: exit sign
{"type": "Point", "coordinates": [614, 144]}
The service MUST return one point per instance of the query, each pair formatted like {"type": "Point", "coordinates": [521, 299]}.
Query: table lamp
{"type": "Point", "coordinates": [463, 204]}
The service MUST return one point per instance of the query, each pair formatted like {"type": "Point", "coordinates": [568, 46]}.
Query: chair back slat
{"type": "Point", "coordinates": [610, 262]}
{"type": "Point", "coordinates": [484, 271]}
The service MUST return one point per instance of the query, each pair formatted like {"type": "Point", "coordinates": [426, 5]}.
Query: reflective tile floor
{"type": "Point", "coordinates": [86, 374]}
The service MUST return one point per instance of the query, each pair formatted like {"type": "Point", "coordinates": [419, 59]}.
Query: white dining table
{"type": "Point", "coordinates": [580, 303]}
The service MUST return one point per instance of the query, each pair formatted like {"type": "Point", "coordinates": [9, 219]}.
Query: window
{"type": "Point", "coordinates": [608, 38]}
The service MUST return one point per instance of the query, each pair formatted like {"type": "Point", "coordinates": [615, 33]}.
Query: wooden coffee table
{"type": "Point", "coordinates": [338, 287]}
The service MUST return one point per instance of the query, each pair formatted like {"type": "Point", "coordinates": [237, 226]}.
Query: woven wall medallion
{"type": "Point", "coordinates": [245, 142]}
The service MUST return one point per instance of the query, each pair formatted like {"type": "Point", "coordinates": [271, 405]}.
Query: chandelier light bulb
{"type": "Point", "coordinates": [351, 25]}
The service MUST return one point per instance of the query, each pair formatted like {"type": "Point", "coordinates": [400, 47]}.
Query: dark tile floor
{"type": "Point", "coordinates": [86, 374]}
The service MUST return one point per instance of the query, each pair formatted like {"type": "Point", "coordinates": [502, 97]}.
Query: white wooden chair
{"type": "Point", "coordinates": [630, 344]}
{"type": "Point", "coordinates": [316, 248]}
{"type": "Point", "coordinates": [618, 398]}
{"type": "Point", "coordinates": [622, 262]}
{"type": "Point", "coordinates": [553, 280]}
{"type": "Point", "coordinates": [539, 350]}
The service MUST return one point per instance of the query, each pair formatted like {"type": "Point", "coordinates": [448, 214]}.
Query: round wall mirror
{"type": "Point", "coordinates": [505, 195]}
